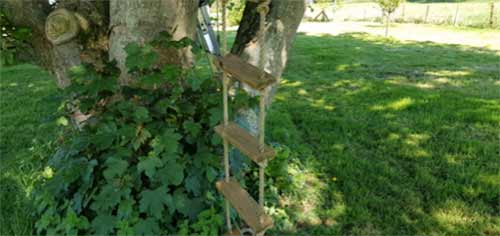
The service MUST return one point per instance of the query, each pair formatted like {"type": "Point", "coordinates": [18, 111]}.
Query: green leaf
{"type": "Point", "coordinates": [109, 197]}
{"type": "Point", "coordinates": [215, 116]}
{"type": "Point", "coordinates": [62, 121]}
{"type": "Point", "coordinates": [181, 202]}
{"type": "Point", "coordinates": [141, 115]}
{"type": "Point", "coordinates": [124, 229]}
{"type": "Point", "coordinates": [171, 72]}
{"type": "Point", "coordinates": [192, 127]}
{"type": "Point", "coordinates": [153, 201]}
{"type": "Point", "coordinates": [103, 224]}
{"type": "Point", "coordinates": [167, 143]}
{"type": "Point", "coordinates": [115, 168]}
{"type": "Point", "coordinates": [140, 57]}
{"type": "Point", "coordinates": [125, 208]}
{"type": "Point", "coordinates": [147, 227]}
{"type": "Point", "coordinates": [196, 82]}
{"type": "Point", "coordinates": [171, 174]}
{"type": "Point", "coordinates": [193, 184]}
{"type": "Point", "coordinates": [149, 165]}
{"type": "Point", "coordinates": [141, 138]}
{"type": "Point", "coordinates": [211, 174]}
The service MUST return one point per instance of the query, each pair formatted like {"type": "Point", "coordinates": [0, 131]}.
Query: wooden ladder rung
{"type": "Point", "coordinates": [233, 232]}
{"type": "Point", "coordinates": [248, 209]}
{"type": "Point", "coordinates": [245, 142]}
{"type": "Point", "coordinates": [245, 72]}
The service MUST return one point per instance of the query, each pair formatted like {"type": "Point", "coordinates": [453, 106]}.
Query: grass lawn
{"type": "Point", "coordinates": [28, 102]}
{"type": "Point", "coordinates": [394, 138]}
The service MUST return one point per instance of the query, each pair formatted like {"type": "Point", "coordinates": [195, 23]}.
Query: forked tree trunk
{"type": "Point", "coordinates": [115, 23]}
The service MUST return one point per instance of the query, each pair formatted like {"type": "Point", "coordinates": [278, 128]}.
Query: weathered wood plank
{"type": "Point", "coordinates": [245, 72]}
{"type": "Point", "coordinates": [245, 142]}
{"type": "Point", "coordinates": [248, 209]}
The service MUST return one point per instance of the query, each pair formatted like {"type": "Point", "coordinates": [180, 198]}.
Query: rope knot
{"type": "Point", "coordinates": [263, 7]}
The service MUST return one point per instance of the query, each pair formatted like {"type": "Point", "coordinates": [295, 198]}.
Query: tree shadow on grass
{"type": "Point", "coordinates": [405, 135]}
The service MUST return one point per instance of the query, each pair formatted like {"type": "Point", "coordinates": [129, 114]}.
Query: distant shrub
{"type": "Point", "coordinates": [14, 41]}
{"type": "Point", "coordinates": [235, 13]}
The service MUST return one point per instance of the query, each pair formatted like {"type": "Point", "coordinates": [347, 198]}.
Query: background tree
{"type": "Point", "coordinates": [388, 7]}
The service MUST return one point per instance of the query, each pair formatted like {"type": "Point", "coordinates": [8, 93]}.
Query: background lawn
{"type": "Point", "coordinates": [391, 137]}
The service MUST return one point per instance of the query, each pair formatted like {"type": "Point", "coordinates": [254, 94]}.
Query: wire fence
{"type": "Point", "coordinates": [479, 14]}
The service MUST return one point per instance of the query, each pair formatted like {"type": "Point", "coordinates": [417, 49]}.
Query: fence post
{"type": "Point", "coordinates": [492, 12]}
{"type": "Point", "coordinates": [427, 13]}
{"type": "Point", "coordinates": [403, 13]}
{"type": "Point", "coordinates": [455, 19]}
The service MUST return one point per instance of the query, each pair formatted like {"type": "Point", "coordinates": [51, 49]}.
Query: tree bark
{"type": "Point", "coordinates": [60, 57]}
{"type": "Point", "coordinates": [141, 20]}
{"type": "Point", "coordinates": [282, 23]}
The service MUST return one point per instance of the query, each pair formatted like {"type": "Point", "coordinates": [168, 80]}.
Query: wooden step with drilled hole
{"type": "Point", "coordinates": [248, 209]}
{"type": "Point", "coordinates": [245, 142]}
{"type": "Point", "coordinates": [233, 232]}
{"type": "Point", "coordinates": [245, 72]}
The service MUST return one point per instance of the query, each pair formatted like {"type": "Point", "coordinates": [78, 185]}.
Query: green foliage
{"type": "Point", "coordinates": [389, 6]}
{"type": "Point", "coordinates": [13, 40]}
{"type": "Point", "coordinates": [235, 11]}
{"type": "Point", "coordinates": [138, 165]}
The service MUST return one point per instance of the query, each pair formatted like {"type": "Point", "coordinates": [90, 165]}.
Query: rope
{"type": "Point", "coordinates": [262, 9]}
{"type": "Point", "coordinates": [226, 113]}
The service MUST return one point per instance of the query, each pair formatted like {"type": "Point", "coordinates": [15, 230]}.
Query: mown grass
{"type": "Point", "coordinates": [402, 138]}
{"type": "Point", "coordinates": [28, 104]}
{"type": "Point", "coordinates": [393, 137]}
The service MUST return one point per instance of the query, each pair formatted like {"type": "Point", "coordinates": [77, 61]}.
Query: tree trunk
{"type": "Point", "coordinates": [141, 20]}
{"type": "Point", "coordinates": [105, 27]}
{"type": "Point", "coordinates": [282, 23]}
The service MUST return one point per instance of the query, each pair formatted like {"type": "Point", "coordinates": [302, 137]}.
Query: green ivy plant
{"type": "Point", "coordinates": [145, 162]}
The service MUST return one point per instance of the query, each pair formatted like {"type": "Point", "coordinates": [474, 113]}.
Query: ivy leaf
{"type": "Point", "coordinates": [124, 229]}
{"type": "Point", "coordinates": [72, 222]}
{"type": "Point", "coordinates": [211, 174]}
{"type": "Point", "coordinates": [125, 208]}
{"type": "Point", "coordinates": [172, 174]}
{"type": "Point", "coordinates": [141, 115]}
{"type": "Point", "coordinates": [168, 143]}
{"type": "Point", "coordinates": [139, 57]}
{"type": "Point", "coordinates": [215, 116]}
{"type": "Point", "coordinates": [171, 72]}
{"type": "Point", "coordinates": [196, 82]}
{"type": "Point", "coordinates": [152, 201]}
{"type": "Point", "coordinates": [193, 185]}
{"type": "Point", "coordinates": [147, 227]}
{"type": "Point", "coordinates": [103, 224]}
{"type": "Point", "coordinates": [108, 197]}
{"type": "Point", "coordinates": [141, 138]}
{"type": "Point", "coordinates": [192, 127]}
{"type": "Point", "coordinates": [115, 168]}
{"type": "Point", "coordinates": [149, 165]}
{"type": "Point", "coordinates": [181, 202]}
